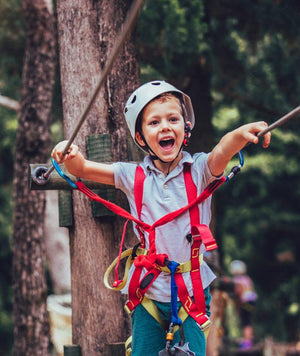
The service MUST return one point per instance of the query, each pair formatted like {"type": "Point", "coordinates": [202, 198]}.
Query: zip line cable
{"type": "Point", "coordinates": [124, 32]}
{"type": "Point", "coordinates": [280, 121]}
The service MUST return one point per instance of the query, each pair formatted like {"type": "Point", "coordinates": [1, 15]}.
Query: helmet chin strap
{"type": "Point", "coordinates": [152, 154]}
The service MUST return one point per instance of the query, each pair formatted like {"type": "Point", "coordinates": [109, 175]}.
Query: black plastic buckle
{"type": "Point", "coordinates": [134, 249]}
{"type": "Point", "coordinates": [189, 237]}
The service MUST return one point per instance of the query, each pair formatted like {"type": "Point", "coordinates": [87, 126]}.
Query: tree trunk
{"type": "Point", "coordinates": [87, 31]}
{"type": "Point", "coordinates": [199, 90]}
{"type": "Point", "coordinates": [31, 326]}
{"type": "Point", "coordinates": [57, 246]}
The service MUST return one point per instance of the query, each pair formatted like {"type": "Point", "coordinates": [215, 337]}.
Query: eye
{"type": "Point", "coordinates": [153, 122]}
{"type": "Point", "coordinates": [174, 119]}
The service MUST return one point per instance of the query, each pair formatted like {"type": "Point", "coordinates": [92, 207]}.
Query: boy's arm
{"type": "Point", "coordinates": [80, 167]}
{"type": "Point", "coordinates": [233, 142]}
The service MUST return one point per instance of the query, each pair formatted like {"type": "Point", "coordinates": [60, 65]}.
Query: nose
{"type": "Point", "coordinates": [165, 125]}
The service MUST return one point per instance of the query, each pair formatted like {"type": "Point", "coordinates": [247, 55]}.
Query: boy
{"type": "Point", "coordinates": [160, 119]}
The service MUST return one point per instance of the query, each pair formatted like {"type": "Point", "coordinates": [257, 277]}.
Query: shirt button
{"type": "Point", "coordinates": [160, 176]}
{"type": "Point", "coordinates": [165, 186]}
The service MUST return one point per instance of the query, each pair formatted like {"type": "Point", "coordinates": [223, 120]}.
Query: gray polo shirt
{"type": "Point", "coordinates": [161, 196]}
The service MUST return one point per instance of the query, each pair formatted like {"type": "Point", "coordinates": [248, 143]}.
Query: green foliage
{"type": "Point", "coordinates": [258, 222]}
{"type": "Point", "coordinates": [171, 35]}
{"type": "Point", "coordinates": [12, 47]}
{"type": "Point", "coordinates": [256, 77]}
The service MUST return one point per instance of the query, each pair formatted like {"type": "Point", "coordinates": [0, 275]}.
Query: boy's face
{"type": "Point", "coordinates": [163, 128]}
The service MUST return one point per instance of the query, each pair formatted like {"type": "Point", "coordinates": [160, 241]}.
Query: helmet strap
{"type": "Point", "coordinates": [152, 154]}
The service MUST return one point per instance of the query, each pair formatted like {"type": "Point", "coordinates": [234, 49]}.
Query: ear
{"type": "Point", "coordinates": [139, 139]}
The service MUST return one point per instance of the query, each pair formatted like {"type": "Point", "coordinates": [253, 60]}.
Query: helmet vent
{"type": "Point", "coordinates": [156, 83]}
{"type": "Point", "coordinates": [133, 99]}
{"type": "Point", "coordinates": [126, 109]}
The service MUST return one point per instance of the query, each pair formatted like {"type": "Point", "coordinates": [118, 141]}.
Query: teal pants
{"type": "Point", "coordinates": [148, 337]}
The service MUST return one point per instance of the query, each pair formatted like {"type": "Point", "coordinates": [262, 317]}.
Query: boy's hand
{"type": "Point", "coordinates": [57, 152]}
{"type": "Point", "coordinates": [233, 142]}
{"type": "Point", "coordinates": [249, 133]}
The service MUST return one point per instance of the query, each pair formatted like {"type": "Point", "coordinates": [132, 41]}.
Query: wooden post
{"type": "Point", "coordinates": [117, 349]}
{"type": "Point", "coordinates": [72, 350]}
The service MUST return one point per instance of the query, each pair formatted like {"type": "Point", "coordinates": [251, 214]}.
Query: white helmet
{"type": "Point", "coordinates": [147, 92]}
{"type": "Point", "coordinates": [237, 268]}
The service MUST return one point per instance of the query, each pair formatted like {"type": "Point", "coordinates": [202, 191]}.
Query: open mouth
{"type": "Point", "coordinates": [167, 144]}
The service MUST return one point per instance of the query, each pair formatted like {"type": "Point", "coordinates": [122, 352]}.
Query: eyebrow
{"type": "Point", "coordinates": [167, 114]}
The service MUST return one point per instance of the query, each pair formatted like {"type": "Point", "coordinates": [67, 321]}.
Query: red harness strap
{"type": "Point", "coordinates": [137, 287]}
{"type": "Point", "coordinates": [138, 196]}
{"type": "Point", "coordinates": [196, 309]}
{"type": "Point", "coordinates": [200, 234]}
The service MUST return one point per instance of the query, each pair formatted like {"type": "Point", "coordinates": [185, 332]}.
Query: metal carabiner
{"type": "Point", "coordinates": [62, 174]}
{"type": "Point", "coordinates": [236, 169]}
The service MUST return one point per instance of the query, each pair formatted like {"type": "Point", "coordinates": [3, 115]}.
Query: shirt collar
{"type": "Point", "coordinates": [186, 158]}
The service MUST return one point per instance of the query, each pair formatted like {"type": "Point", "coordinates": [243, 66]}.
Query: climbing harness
{"type": "Point", "coordinates": [155, 263]}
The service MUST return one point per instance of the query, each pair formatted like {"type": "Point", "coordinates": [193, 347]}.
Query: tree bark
{"type": "Point", "coordinates": [31, 326]}
{"type": "Point", "coordinates": [87, 31]}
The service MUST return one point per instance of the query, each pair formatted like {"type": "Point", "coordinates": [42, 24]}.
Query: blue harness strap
{"type": "Point", "coordinates": [175, 320]}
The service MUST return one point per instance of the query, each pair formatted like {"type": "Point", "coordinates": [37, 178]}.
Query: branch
{"type": "Point", "coordinates": [9, 103]}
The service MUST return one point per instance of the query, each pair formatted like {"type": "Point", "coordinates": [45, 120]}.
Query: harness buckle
{"type": "Point", "coordinates": [190, 239]}
{"type": "Point", "coordinates": [127, 309]}
{"type": "Point", "coordinates": [134, 250]}
{"type": "Point", "coordinates": [201, 232]}
{"type": "Point", "coordinates": [204, 326]}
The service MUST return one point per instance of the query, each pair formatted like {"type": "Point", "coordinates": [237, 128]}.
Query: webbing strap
{"type": "Point", "coordinates": [175, 320]}
{"type": "Point", "coordinates": [138, 189]}
{"type": "Point", "coordinates": [189, 306]}
{"type": "Point", "coordinates": [200, 234]}
{"type": "Point", "coordinates": [191, 191]}
{"type": "Point", "coordinates": [111, 206]}
{"type": "Point", "coordinates": [165, 219]}
{"type": "Point", "coordinates": [137, 288]}
{"type": "Point", "coordinates": [204, 195]}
